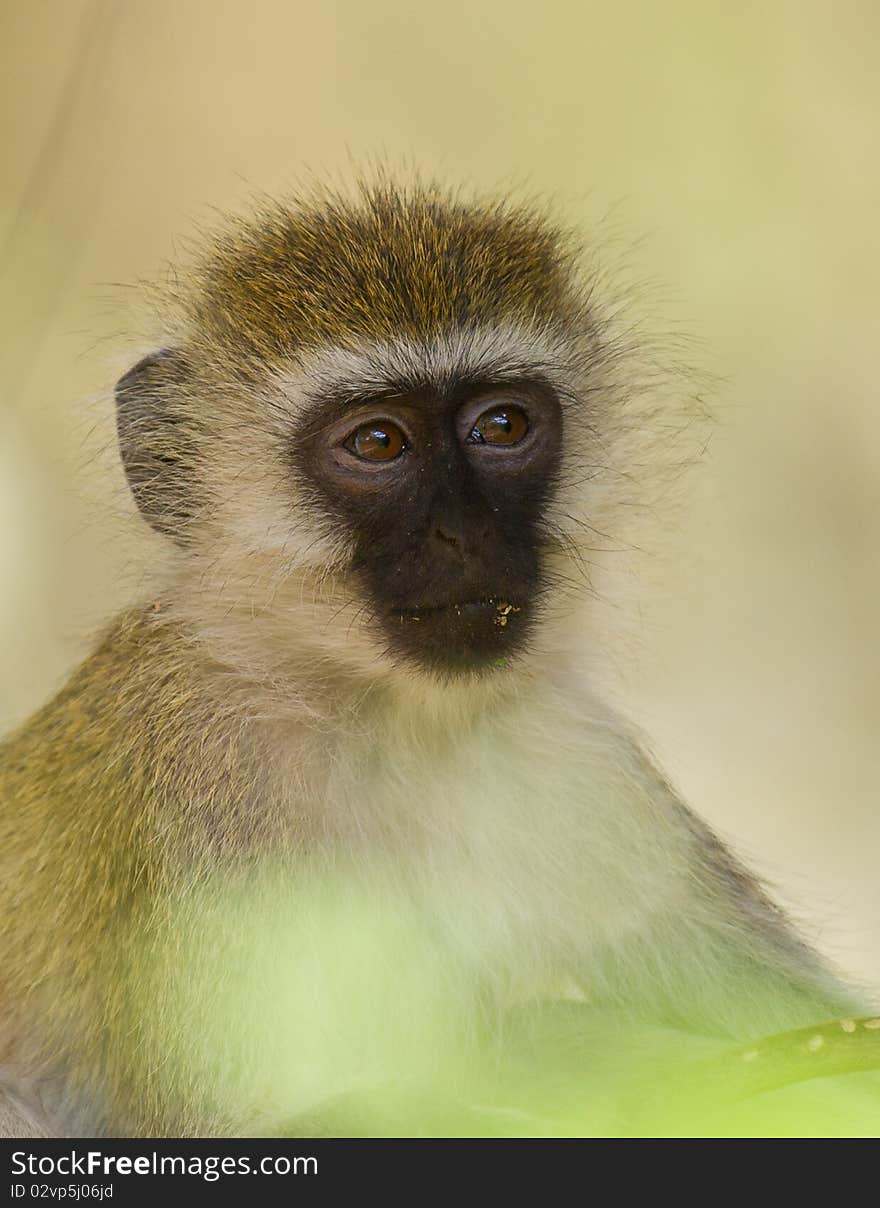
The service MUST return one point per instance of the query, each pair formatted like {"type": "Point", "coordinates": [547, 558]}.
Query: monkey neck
{"type": "Point", "coordinates": [210, 761]}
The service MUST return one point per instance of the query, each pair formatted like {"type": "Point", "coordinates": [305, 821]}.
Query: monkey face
{"type": "Point", "coordinates": [442, 492]}
{"type": "Point", "coordinates": [354, 438]}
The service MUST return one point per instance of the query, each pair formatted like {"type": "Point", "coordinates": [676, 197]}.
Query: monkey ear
{"type": "Point", "coordinates": [156, 450]}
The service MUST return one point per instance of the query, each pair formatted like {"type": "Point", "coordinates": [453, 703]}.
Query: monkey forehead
{"type": "Point", "coordinates": [508, 352]}
{"type": "Point", "coordinates": [384, 264]}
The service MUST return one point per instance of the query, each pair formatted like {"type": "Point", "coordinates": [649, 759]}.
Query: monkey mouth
{"type": "Point", "coordinates": [499, 611]}
{"type": "Point", "coordinates": [459, 637]}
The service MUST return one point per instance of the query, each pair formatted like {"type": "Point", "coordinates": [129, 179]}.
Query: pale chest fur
{"type": "Point", "coordinates": [533, 829]}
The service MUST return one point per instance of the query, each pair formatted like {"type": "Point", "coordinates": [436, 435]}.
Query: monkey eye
{"type": "Point", "coordinates": [500, 426]}
{"type": "Point", "coordinates": [376, 441]}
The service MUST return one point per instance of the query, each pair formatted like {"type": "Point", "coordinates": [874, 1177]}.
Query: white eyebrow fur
{"type": "Point", "coordinates": [508, 351]}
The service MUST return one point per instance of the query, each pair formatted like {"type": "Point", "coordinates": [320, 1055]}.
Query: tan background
{"type": "Point", "coordinates": [741, 140]}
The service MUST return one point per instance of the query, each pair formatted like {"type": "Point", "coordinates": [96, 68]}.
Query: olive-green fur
{"type": "Point", "coordinates": [113, 799]}
{"type": "Point", "coordinates": [384, 263]}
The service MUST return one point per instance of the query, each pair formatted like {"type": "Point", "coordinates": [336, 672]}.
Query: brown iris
{"type": "Point", "coordinates": [377, 441]}
{"type": "Point", "coordinates": [500, 426]}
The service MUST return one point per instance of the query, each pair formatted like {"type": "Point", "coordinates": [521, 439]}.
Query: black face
{"type": "Point", "coordinates": [444, 496]}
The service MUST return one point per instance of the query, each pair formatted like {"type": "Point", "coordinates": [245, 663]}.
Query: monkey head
{"type": "Point", "coordinates": [369, 431]}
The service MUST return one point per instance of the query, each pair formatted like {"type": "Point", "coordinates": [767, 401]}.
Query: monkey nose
{"type": "Point", "coordinates": [465, 541]}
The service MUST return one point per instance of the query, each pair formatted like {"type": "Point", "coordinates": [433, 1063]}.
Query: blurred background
{"type": "Point", "coordinates": [737, 143]}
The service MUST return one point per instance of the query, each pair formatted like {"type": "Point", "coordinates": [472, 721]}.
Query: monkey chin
{"type": "Point", "coordinates": [465, 638]}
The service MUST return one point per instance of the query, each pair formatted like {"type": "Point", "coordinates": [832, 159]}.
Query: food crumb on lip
{"type": "Point", "coordinates": [503, 611]}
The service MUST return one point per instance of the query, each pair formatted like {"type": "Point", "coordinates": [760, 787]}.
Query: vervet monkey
{"type": "Point", "coordinates": [380, 436]}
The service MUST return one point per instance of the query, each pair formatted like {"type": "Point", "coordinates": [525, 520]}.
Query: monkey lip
{"type": "Point", "coordinates": [495, 609]}
{"type": "Point", "coordinates": [464, 636]}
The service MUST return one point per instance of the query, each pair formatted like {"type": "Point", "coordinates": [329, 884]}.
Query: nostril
{"type": "Point", "coordinates": [446, 536]}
